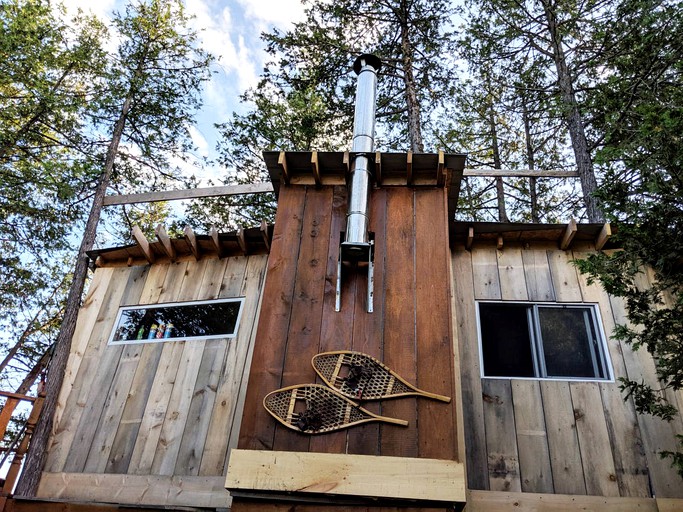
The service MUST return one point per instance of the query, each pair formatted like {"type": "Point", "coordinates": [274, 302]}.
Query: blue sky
{"type": "Point", "coordinates": [228, 29]}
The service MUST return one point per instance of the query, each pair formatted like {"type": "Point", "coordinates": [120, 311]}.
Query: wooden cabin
{"type": "Point", "coordinates": [493, 315]}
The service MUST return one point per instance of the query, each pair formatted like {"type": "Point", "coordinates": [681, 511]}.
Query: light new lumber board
{"type": "Point", "coordinates": [482, 501]}
{"type": "Point", "coordinates": [347, 475]}
{"type": "Point", "coordinates": [164, 491]}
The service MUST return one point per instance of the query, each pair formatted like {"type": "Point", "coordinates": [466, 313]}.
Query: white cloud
{"type": "Point", "coordinates": [273, 12]}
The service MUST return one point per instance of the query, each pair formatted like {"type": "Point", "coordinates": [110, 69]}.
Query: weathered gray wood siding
{"type": "Point", "coordinates": [564, 437]}
{"type": "Point", "coordinates": [152, 423]}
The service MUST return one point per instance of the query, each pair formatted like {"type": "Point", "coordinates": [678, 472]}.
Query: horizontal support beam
{"type": "Point", "coordinates": [497, 501]}
{"type": "Point", "coordinates": [520, 173]}
{"type": "Point", "coordinates": [309, 474]}
{"type": "Point", "coordinates": [17, 396]}
{"type": "Point", "coordinates": [192, 193]}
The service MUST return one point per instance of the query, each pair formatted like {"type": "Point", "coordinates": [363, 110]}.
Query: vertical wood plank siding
{"type": "Point", "coordinates": [155, 408]}
{"type": "Point", "coordinates": [563, 437]}
{"type": "Point", "coordinates": [409, 329]}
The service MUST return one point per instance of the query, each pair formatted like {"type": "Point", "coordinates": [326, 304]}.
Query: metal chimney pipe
{"type": "Point", "coordinates": [356, 243]}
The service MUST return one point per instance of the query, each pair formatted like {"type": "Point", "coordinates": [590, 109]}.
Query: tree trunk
{"type": "Point", "coordinates": [584, 164]}
{"type": "Point", "coordinates": [37, 452]}
{"type": "Point", "coordinates": [497, 164]}
{"type": "Point", "coordinates": [531, 161]}
{"type": "Point", "coordinates": [413, 104]}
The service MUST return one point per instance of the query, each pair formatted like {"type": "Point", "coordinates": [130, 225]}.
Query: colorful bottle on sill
{"type": "Point", "coordinates": [160, 331]}
{"type": "Point", "coordinates": [152, 332]}
{"type": "Point", "coordinates": [141, 333]}
{"type": "Point", "coordinates": [168, 331]}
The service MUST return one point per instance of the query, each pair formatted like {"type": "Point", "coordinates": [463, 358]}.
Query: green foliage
{"type": "Point", "coordinates": [638, 108]}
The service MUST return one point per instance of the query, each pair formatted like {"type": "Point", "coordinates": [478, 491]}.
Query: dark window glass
{"type": "Point", "coordinates": [181, 321]}
{"type": "Point", "coordinates": [528, 340]}
{"type": "Point", "coordinates": [569, 347]}
{"type": "Point", "coordinates": [506, 340]}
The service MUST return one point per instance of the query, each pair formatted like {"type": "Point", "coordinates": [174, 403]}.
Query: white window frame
{"type": "Point", "coordinates": [122, 309]}
{"type": "Point", "coordinates": [538, 359]}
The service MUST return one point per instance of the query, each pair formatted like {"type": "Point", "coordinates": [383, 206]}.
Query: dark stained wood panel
{"type": "Point", "coordinates": [368, 328]}
{"type": "Point", "coordinates": [399, 318]}
{"type": "Point", "coordinates": [434, 348]}
{"type": "Point", "coordinates": [303, 335]}
{"type": "Point", "coordinates": [258, 429]}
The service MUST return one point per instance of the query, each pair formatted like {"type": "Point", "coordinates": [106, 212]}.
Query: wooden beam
{"type": "Point", "coordinates": [155, 490]}
{"type": "Point", "coordinates": [282, 164]}
{"type": "Point", "coordinates": [499, 243]}
{"type": "Point", "coordinates": [366, 476]}
{"type": "Point", "coordinates": [191, 239]}
{"type": "Point", "coordinates": [378, 167]}
{"type": "Point", "coordinates": [568, 235]}
{"type": "Point", "coordinates": [440, 168]}
{"type": "Point", "coordinates": [500, 501]}
{"type": "Point", "coordinates": [409, 168]}
{"type": "Point", "coordinates": [603, 236]}
{"type": "Point", "coordinates": [315, 169]}
{"type": "Point", "coordinates": [521, 173]}
{"type": "Point", "coordinates": [242, 241]}
{"type": "Point", "coordinates": [264, 234]}
{"type": "Point", "coordinates": [143, 244]}
{"type": "Point", "coordinates": [193, 193]}
{"type": "Point", "coordinates": [166, 242]}
{"type": "Point", "coordinates": [17, 396]}
{"type": "Point", "coordinates": [470, 238]}
{"type": "Point", "coordinates": [346, 161]}
{"type": "Point", "coordinates": [213, 234]}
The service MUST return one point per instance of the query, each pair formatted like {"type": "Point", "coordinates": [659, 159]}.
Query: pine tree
{"type": "Point", "coordinates": [148, 95]}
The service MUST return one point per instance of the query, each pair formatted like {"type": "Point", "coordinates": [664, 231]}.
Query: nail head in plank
{"type": "Point", "coordinates": [192, 242]}
{"type": "Point", "coordinates": [166, 242]}
{"type": "Point", "coordinates": [603, 236]}
{"type": "Point", "coordinates": [568, 235]}
{"type": "Point", "coordinates": [315, 168]}
{"type": "Point", "coordinates": [143, 243]}
{"type": "Point", "coordinates": [282, 163]}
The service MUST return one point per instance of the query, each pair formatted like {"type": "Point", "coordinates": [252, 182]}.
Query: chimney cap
{"type": "Point", "coordinates": [369, 59]}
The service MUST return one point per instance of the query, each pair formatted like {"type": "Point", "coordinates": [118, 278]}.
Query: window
{"type": "Point", "coordinates": [554, 341]}
{"type": "Point", "coordinates": [176, 321]}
